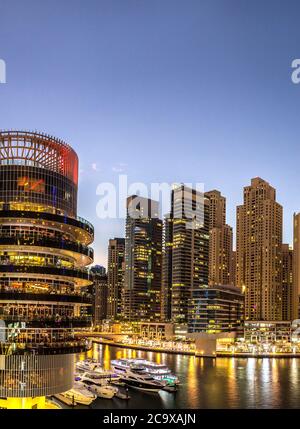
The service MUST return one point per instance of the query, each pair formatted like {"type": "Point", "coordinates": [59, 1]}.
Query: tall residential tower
{"type": "Point", "coordinates": [220, 241]}
{"type": "Point", "coordinates": [186, 250]}
{"type": "Point", "coordinates": [259, 251]}
{"type": "Point", "coordinates": [115, 272]}
{"type": "Point", "coordinates": [143, 252]}
{"type": "Point", "coordinates": [296, 262]}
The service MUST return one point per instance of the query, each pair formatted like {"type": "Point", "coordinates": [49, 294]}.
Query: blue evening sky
{"type": "Point", "coordinates": [161, 90]}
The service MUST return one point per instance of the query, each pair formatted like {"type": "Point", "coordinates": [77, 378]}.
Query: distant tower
{"type": "Point", "coordinates": [115, 271]}
{"type": "Point", "coordinates": [217, 209]}
{"type": "Point", "coordinates": [259, 251]}
{"type": "Point", "coordinates": [220, 241]}
{"type": "Point", "coordinates": [100, 294]}
{"type": "Point", "coordinates": [289, 290]}
{"type": "Point", "coordinates": [296, 258]}
{"type": "Point", "coordinates": [143, 251]}
{"type": "Point", "coordinates": [167, 252]}
{"type": "Point", "coordinates": [188, 248]}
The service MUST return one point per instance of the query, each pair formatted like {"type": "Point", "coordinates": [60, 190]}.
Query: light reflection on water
{"type": "Point", "coordinates": [211, 383]}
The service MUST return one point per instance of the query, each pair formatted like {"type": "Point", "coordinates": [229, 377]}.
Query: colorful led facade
{"type": "Point", "coordinates": [44, 251]}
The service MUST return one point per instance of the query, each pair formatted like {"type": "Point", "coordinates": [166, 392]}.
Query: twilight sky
{"type": "Point", "coordinates": [160, 90]}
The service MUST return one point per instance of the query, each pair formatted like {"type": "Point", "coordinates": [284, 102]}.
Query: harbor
{"type": "Point", "coordinates": [205, 383]}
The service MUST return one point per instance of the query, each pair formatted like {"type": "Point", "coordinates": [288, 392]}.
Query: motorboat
{"type": "Point", "coordinates": [106, 391]}
{"type": "Point", "coordinates": [96, 377]}
{"type": "Point", "coordinates": [80, 394]}
{"type": "Point", "coordinates": [138, 378]}
{"type": "Point", "coordinates": [89, 365]}
{"type": "Point", "coordinates": [158, 371]}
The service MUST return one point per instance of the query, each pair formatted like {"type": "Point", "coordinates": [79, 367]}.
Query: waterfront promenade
{"type": "Point", "coordinates": [218, 354]}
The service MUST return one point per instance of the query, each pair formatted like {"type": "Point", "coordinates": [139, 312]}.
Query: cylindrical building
{"type": "Point", "coordinates": [44, 251]}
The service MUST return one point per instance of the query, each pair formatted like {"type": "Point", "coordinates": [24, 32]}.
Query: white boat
{"type": "Point", "coordinates": [138, 378]}
{"type": "Point", "coordinates": [98, 378]}
{"type": "Point", "coordinates": [89, 365]}
{"type": "Point", "coordinates": [158, 371]}
{"type": "Point", "coordinates": [107, 392]}
{"type": "Point", "coordinates": [80, 394]}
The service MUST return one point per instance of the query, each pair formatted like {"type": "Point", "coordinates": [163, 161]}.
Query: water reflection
{"type": "Point", "coordinates": [211, 383]}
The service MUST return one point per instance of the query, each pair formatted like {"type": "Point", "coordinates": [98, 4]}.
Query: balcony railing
{"type": "Point", "coordinates": [78, 273]}
{"type": "Point", "coordinates": [47, 242]}
{"type": "Point", "coordinates": [49, 321]}
{"type": "Point", "coordinates": [46, 296]}
{"type": "Point", "coordinates": [41, 341]}
{"type": "Point", "coordinates": [78, 222]}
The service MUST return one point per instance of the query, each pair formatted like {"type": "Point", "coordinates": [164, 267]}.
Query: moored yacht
{"type": "Point", "coordinates": [80, 394]}
{"type": "Point", "coordinates": [89, 365]}
{"type": "Point", "coordinates": [138, 378]}
{"type": "Point", "coordinates": [97, 377]}
{"type": "Point", "coordinates": [159, 372]}
{"type": "Point", "coordinates": [105, 391]}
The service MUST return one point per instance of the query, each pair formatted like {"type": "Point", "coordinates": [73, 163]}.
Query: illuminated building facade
{"type": "Point", "coordinates": [44, 251]}
{"type": "Point", "coordinates": [233, 268]}
{"type": "Point", "coordinates": [220, 240]}
{"type": "Point", "coordinates": [217, 209]}
{"type": "Point", "coordinates": [100, 294]}
{"type": "Point", "coordinates": [289, 291]}
{"type": "Point", "coordinates": [259, 251]}
{"type": "Point", "coordinates": [167, 251]}
{"type": "Point", "coordinates": [189, 250]}
{"type": "Point", "coordinates": [267, 331]}
{"type": "Point", "coordinates": [216, 309]}
{"type": "Point", "coordinates": [296, 259]}
{"type": "Point", "coordinates": [115, 272]}
{"type": "Point", "coordinates": [143, 252]}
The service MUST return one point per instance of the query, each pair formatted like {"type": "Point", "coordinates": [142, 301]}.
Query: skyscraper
{"type": "Point", "coordinates": [217, 209]}
{"type": "Point", "coordinates": [259, 251]}
{"type": "Point", "coordinates": [143, 252]}
{"type": "Point", "coordinates": [115, 272]}
{"type": "Point", "coordinates": [167, 252]}
{"type": "Point", "coordinates": [220, 240]}
{"type": "Point", "coordinates": [233, 268]}
{"type": "Point", "coordinates": [189, 248]}
{"type": "Point", "coordinates": [44, 249]}
{"type": "Point", "coordinates": [289, 291]}
{"type": "Point", "coordinates": [100, 294]}
{"type": "Point", "coordinates": [296, 258]}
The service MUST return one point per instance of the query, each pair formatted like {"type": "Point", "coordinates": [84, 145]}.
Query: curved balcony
{"type": "Point", "coordinates": [19, 341]}
{"type": "Point", "coordinates": [41, 242]}
{"type": "Point", "coordinates": [79, 223]}
{"type": "Point", "coordinates": [49, 322]}
{"type": "Point", "coordinates": [44, 297]}
{"type": "Point", "coordinates": [80, 277]}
